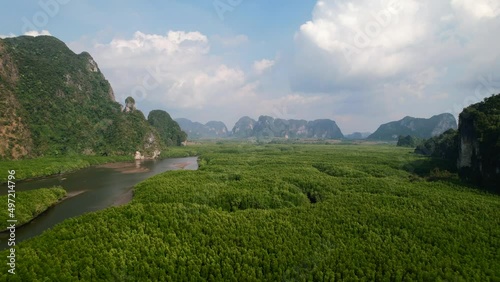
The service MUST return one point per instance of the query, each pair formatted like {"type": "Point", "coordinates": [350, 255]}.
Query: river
{"type": "Point", "coordinates": [103, 186]}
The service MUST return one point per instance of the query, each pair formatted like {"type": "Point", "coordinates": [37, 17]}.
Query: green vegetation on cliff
{"type": "Point", "coordinates": [67, 104]}
{"type": "Point", "coordinates": [30, 204]}
{"type": "Point", "coordinates": [444, 146]}
{"type": "Point", "coordinates": [280, 213]}
{"type": "Point", "coordinates": [479, 133]}
{"type": "Point", "coordinates": [473, 150]}
{"type": "Point", "coordinates": [59, 103]}
{"type": "Point", "coordinates": [168, 129]}
{"type": "Point", "coordinates": [408, 141]}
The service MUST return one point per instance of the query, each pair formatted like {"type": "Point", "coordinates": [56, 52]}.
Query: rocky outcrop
{"type": "Point", "coordinates": [479, 143]}
{"type": "Point", "coordinates": [269, 127]}
{"type": "Point", "coordinates": [138, 156]}
{"type": "Point", "coordinates": [55, 102]}
{"type": "Point", "coordinates": [216, 129]}
{"type": "Point", "coordinates": [129, 105]}
{"type": "Point", "coordinates": [244, 127]}
{"type": "Point", "coordinates": [15, 137]}
{"type": "Point", "coordinates": [416, 127]}
{"type": "Point", "coordinates": [324, 129]}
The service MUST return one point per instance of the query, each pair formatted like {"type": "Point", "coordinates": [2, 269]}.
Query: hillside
{"type": "Point", "coordinates": [196, 130]}
{"type": "Point", "coordinates": [269, 127]}
{"type": "Point", "coordinates": [473, 149]}
{"type": "Point", "coordinates": [417, 127]}
{"type": "Point", "coordinates": [169, 130]}
{"type": "Point", "coordinates": [244, 127]}
{"type": "Point", "coordinates": [55, 102]}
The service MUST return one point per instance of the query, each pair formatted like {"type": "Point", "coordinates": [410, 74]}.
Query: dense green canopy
{"type": "Point", "coordinates": [280, 213]}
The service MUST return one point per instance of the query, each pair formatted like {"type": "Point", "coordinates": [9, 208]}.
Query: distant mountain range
{"type": "Point", "coordinates": [196, 130]}
{"type": "Point", "coordinates": [264, 127]}
{"type": "Point", "coordinates": [357, 135]}
{"type": "Point", "coordinates": [269, 127]}
{"type": "Point", "coordinates": [418, 127]}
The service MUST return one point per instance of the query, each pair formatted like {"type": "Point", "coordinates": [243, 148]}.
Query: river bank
{"type": "Point", "coordinates": [105, 185]}
{"type": "Point", "coordinates": [31, 169]}
{"type": "Point", "coordinates": [31, 204]}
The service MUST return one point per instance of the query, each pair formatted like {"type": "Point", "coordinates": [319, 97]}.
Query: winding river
{"type": "Point", "coordinates": [96, 188]}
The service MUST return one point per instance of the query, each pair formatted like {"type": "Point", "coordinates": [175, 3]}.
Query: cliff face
{"type": "Point", "coordinates": [15, 137]}
{"type": "Point", "coordinates": [268, 127]}
{"type": "Point", "coordinates": [479, 143]}
{"type": "Point", "coordinates": [244, 127]}
{"type": "Point", "coordinates": [417, 127]}
{"type": "Point", "coordinates": [55, 102]}
{"type": "Point", "coordinates": [324, 128]}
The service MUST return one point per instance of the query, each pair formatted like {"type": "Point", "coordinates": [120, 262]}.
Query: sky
{"type": "Point", "coordinates": [361, 63]}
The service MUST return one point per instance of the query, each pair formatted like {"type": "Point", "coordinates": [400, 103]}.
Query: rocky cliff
{"type": "Point", "coordinates": [417, 127]}
{"type": "Point", "coordinates": [15, 137]}
{"type": "Point", "coordinates": [55, 102]}
{"type": "Point", "coordinates": [479, 143]}
{"type": "Point", "coordinates": [244, 127]}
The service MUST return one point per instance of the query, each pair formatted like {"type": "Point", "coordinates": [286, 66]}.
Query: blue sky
{"type": "Point", "coordinates": [360, 63]}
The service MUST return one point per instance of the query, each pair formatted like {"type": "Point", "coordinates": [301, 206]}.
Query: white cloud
{"type": "Point", "coordinates": [37, 33]}
{"type": "Point", "coordinates": [28, 33]}
{"type": "Point", "coordinates": [359, 36]}
{"type": "Point", "coordinates": [175, 72]}
{"type": "Point", "coordinates": [263, 65]}
{"type": "Point", "coordinates": [2, 36]}
{"type": "Point", "coordinates": [478, 8]}
{"type": "Point", "coordinates": [401, 57]}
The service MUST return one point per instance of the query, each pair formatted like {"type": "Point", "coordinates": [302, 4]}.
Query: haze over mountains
{"type": "Point", "coordinates": [264, 127]}
{"type": "Point", "coordinates": [269, 127]}
{"type": "Point", "coordinates": [417, 127]}
{"type": "Point", "coordinates": [196, 130]}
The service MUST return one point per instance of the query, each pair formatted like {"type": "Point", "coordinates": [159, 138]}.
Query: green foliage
{"type": "Point", "coordinates": [408, 141]}
{"type": "Point", "coordinates": [260, 213]}
{"type": "Point", "coordinates": [444, 146]}
{"type": "Point", "coordinates": [168, 129]}
{"type": "Point", "coordinates": [481, 123]}
{"type": "Point", "coordinates": [67, 103]}
{"type": "Point", "coordinates": [30, 204]}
